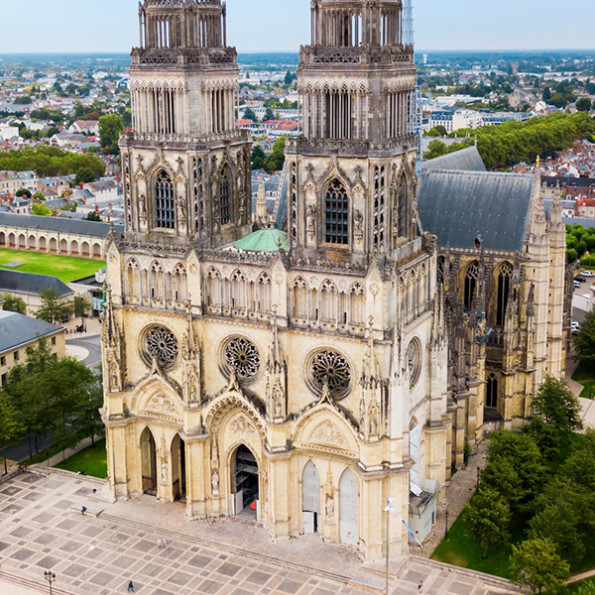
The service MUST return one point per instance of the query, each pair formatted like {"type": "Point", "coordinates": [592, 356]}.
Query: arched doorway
{"type": "Point", "coordinates": [310, 498]}
{"type": "Point", "coordinates": [348, 508]}
{"type": "Point", "coordinates": [148, 462]}
{"type": "Point", "coordinates": [178, 458]}
{"type": "Point", "coordinates": [244, 481]}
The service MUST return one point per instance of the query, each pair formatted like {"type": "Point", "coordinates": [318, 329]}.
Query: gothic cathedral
{"type": "Point", "coordinates": [302, 385]}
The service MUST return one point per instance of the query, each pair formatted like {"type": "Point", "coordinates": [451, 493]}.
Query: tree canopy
{"type": "Point", "coordinates": [50, 161]}
{"type": "Point", "coordinates": [110, 128]}
{"type": "Point", "coordinates": [13, 303]}
{"type": "Point", "coordinates": [53, 307]}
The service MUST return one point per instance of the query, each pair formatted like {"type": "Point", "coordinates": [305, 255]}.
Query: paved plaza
{"type": "Point", "coordinates": [41, 529]}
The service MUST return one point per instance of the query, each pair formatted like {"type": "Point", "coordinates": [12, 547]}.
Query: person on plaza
{"type": "Point", "coordinates": [83, 509]}
{"type": "Point", "coordinates": [130, 586]}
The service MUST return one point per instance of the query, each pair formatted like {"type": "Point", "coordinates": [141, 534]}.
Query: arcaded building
{"type": "Point", "coordinates": [302, 384]}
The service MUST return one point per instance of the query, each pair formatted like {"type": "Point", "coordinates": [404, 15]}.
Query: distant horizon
{"type": "Point", "coordinates": [296, 52]}
{"type": "Point", "coordinates": [72, 26]}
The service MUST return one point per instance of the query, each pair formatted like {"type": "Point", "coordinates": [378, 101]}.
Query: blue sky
{"type": "Point", "coordinates": [282, 25]}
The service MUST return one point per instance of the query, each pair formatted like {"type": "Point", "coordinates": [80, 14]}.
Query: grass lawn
{"type": "Point", "coordinates": [461, 550]}
{"type": "Point", "coordinates": [582, 375]}
{"type": "Point", "coordinates": [66, 268]}
{"type": "Point", "coordinates": [92, 460]}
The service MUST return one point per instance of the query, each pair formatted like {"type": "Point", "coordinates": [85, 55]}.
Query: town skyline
{"type": "Point", "coordinates": [458, 25]}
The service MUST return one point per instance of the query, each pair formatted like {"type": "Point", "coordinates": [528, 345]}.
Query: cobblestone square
{"type": "Point", "coordinates": [230, 556]}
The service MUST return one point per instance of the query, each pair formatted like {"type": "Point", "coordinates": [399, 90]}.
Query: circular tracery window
{"type": "Point", "coordinates": [161, 344]}
{"type": "Point", "coordinates": [241, 355]}
{"type": "Point", "coordinates": [414, 361]}
{"type": "Point", "coordinates": [330, 366]}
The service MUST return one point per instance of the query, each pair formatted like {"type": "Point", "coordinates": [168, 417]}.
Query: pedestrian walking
{"type": "Point", "coordinates": [130, 587]}
{"type": "Point", "coordinates": [83, 509]}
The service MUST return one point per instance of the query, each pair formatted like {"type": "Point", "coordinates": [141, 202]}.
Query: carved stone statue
{"type": "Point", "coordinates": [114, 375]}
{"type": "Point", "coordinates": [311, 219]}
{"type": "Point", "coordinates": [163, 470]}
{"type": "Point", "coordinates": [181, 208]}
{"type": "Point", "coordinates": [329, 508]}
{"type": "Point", "coordinates": [142, 207]}
{"type": "Point", "coordinates": [215, 482]}
{"type": "Point", "coordinates": [358, 223]}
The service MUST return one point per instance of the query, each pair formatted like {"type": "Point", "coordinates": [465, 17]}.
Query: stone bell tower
{"type": "Point", "coordinates": [353, 168]}
{"type": "Point", "coordinates": [186, 167]}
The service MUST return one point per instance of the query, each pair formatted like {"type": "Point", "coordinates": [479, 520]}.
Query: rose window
{"type": "Point", "coordinates": [329, 366]}
{"type": "Point", "coordinates": [414, 361]}
{"type": "Point", "coordinates": [241, 355]}
{"type": "Point", "coordinates": [161, 345]}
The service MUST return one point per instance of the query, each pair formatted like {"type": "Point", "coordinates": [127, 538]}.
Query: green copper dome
{"type": "Point", "coordinates": [263, 240]}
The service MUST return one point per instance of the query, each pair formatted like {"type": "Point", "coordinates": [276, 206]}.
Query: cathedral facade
{"type": "Point", "coordinates": [303, 385]}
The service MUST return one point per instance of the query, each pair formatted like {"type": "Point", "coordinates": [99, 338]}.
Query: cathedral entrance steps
{"type": "Point", "coordinates": [28, 585]}
{"type": "Point", "coordinates": [364, 581]}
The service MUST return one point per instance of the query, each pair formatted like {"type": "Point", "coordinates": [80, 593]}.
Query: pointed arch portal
{"type": "Point", "coordinates": [244, 481]}
{"type": "Point", "coordinates": [310, 498]}
{"type": "Point", "coordinates": [348, 508]}
{"type": "Point", "coordinates": [149, 462]}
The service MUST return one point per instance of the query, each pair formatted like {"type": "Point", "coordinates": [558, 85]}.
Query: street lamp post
{"type": "Point", "coordinates": [389, 508]}
{"type": "Point", "coordinates": [50, 577]}
{"type": "Point", "coordinates": [477, 483]}
{"type": "Point", "coordinates": [446, 527]}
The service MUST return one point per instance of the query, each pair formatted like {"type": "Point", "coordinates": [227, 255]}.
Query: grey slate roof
{"type": "Point", "coordinates": [457, 206]}
{"type": "Point", "coordinates": [31, 283]}
{"type": "Point", "coordinates": [59, 225]}
{"type": "Point", "coordinates": [16, 329]}
{"type": "Point", "coordinates": [464, 160]}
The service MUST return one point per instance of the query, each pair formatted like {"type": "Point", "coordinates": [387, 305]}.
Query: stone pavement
{"type": "Point", "coordinates": [459, 490]}
{"type": "Point", "coordinates": [225, 556]}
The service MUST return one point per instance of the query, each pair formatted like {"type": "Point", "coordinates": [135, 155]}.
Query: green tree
{"type": "Point", "coordinates": [558, 406]}
{"type": "Point", "coordinates": [584, 104]}
{"type": "Point", "coordinates": [276, 159]}
{"type": "Point", "coordinates": [81, 306]}
{"type": "Point", "coordinates": [436, 148]}
{"type": "Point", "coordinates": [584, 342]}
{"type": "Point", "coordinates": [536, 564]}
{"type": "Point", "coordinates": [250, 115]}
{"type": "Point", "coordinates": [93, 216]}
{"type": "Point", "coordinates": [12, 303]}
{"type": "Point", "coordinates": [53, 307]}
{"type": "Point", "coordinates": [39, 196]}
{"type": "Point", "coordinates": [269, 115]}
{"type": "Point", "coordinates": [10, 424]}
{"type": "Point", "coordinates": [487, 518]}
{"type": "Point", "coordinates": [110, 128]}
{"type": "Point", "coordinates": [84, 175]}
{"type": "Point", "coordinates": [586, 588]}
{"type": "Point", "coordinates": [38, 208]}
{"type": "Point", "coordinates": [258, 157]}
{"type": "Point", "coordinates": [515, 469]}
{"type": "Point", "coordinates": [23, 192]}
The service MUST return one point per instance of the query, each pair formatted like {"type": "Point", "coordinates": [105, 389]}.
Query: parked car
{"type": "Point", "coordinates": [575, 327]}
{"type": "Point", "coordinates": [576, 284]}
{"type": "Point", "coordinates": [580, 279]}
{"type": "Point", "coordinates": [587, 274]}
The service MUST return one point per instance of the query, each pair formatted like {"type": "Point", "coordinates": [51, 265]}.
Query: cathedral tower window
{"type": "Point", "coordinates": [263, 287]}
{"type": "Point", "coordinates": [379, 206]}
{"type": "Point", "coordinates": [164, 202]}
{"type": "Point", "coordinates": [402, 208]}
{"type": "Point", "coordinates": [213, 288]}
{"type": "Point", "coordinates": [328, 302]}
{"type": "Point", "coordinates": [328, 367]}
{"type": "Point", "coordinates": [300, 299]}
{"type": "Point", "coordinates": [225, 196]}
{"type": "Point", "coordinates": [179, 284]}
{"type": "Point", "coordinates": [492, 392]}
{"type": "Point", "coordinates": [338, 107]}
{"type": "Point", "coordinates": [238, 290]}
{"type": "Point", "coordinates": [470, 284]}
{"type": "Point", "coordinates": [503, 291]}
{"type": "Point", "coordinates": [337, 214]}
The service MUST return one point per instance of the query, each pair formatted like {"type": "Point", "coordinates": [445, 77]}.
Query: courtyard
{"type": "Point", "coordinates": [65, 268]}
{"type": "Point", "coordinates": [42, 528]}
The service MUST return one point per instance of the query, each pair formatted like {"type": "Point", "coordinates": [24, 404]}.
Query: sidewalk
{"type": "Point", "coordinates": [92, 327]}
{"type": "Point", "coordinates": [459, 490]}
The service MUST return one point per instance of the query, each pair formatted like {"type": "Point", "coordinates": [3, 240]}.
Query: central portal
{"type": "Point", "coordinates": [244, 482]}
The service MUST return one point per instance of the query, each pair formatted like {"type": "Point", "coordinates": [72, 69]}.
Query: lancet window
{"type": "Point", "coordinates": [379, 206]}
{"type": "Point", "coordinates": [492, 392]}
{"type": "Point", "coordinates": [225, 196]}
{"type": "Point", "coordinates": [470, 284]}
{"type": "Point", "coordinates": [336, 214]}
{"type": "Point", "coordinates": [164, 202]}
{"type": "Point", "coordinates": [504, 278]}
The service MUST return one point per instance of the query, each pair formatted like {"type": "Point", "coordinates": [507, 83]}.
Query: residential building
{"type": "Point", "coordinates": [18, 333]}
